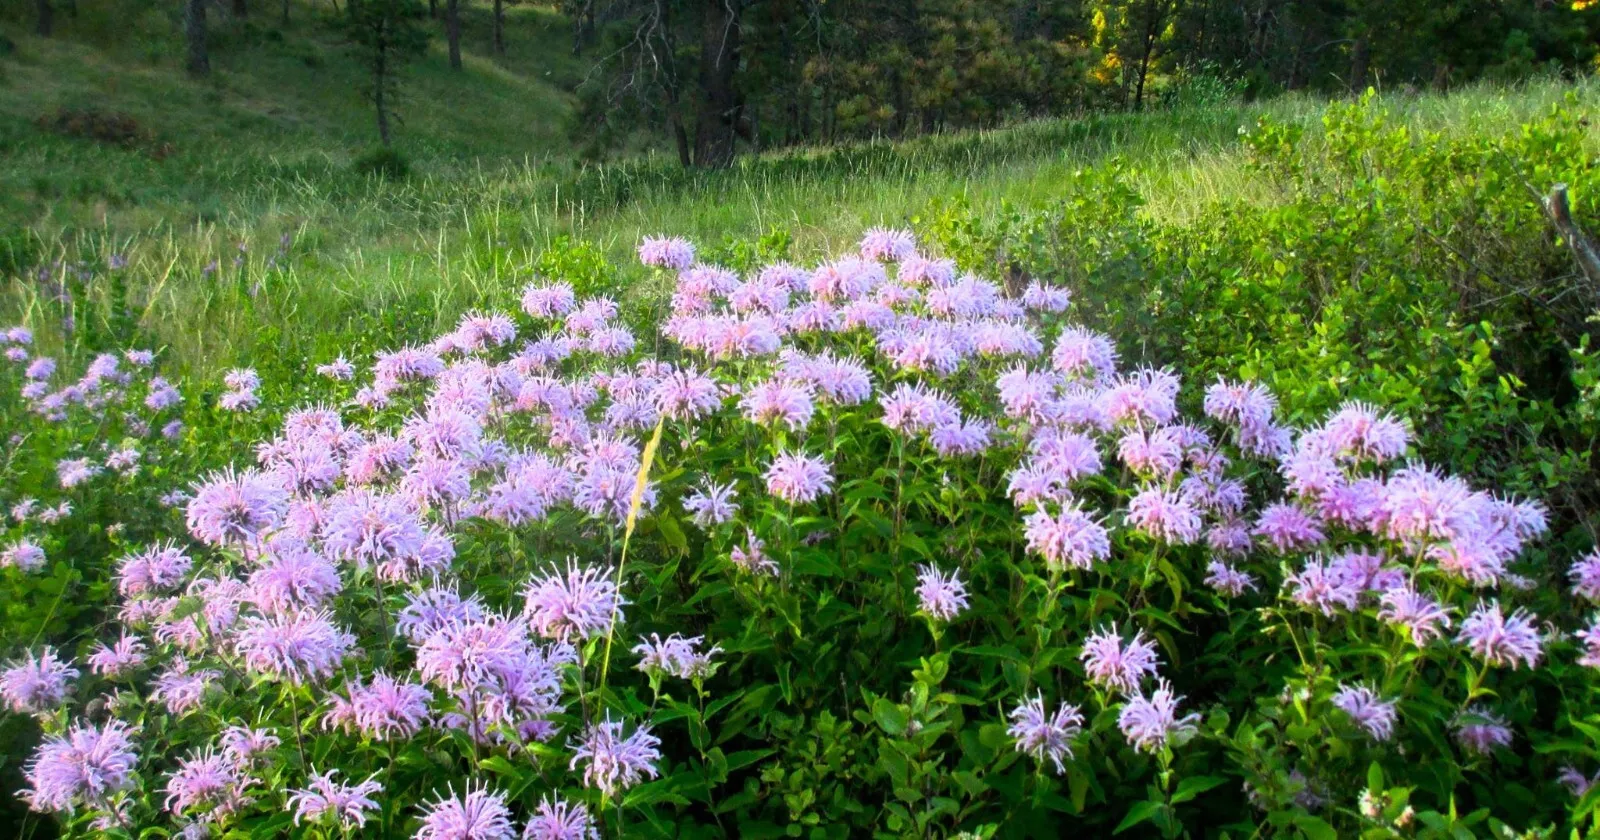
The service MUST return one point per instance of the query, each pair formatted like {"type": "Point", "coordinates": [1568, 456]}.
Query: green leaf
{"type": "Point", "coordinates": [1315, 828]}
{"type": "Point", "coordinates": [1194, 786]}
{"type": "Point", "coordinates": [1140, 812]}
{"type": "Point", "coordinates": [889, 716]}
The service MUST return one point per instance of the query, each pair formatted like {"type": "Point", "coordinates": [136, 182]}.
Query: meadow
{"type": "Point", "coordinates": [1226, 470]}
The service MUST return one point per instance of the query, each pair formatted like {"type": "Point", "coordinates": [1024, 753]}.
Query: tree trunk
{"type": "Point", "coordinates": [286, 12]}
{"type": "Point", "coordinates": [194, 31]}
{"type": "Point", "coordinates": [240, 8]}
{"type": "Point", "coordinates": [1152, 30]}
{"type": "Point", "coordinates": [452, 28]}
{"type": "Point", "coordinates": [433, 9]}
{"type": "Point", "coordinates": [718, 112]}
{"type": "Point", "coordinates": [380, 81]}
{"type": "Point", "coordinates": [47, 18]}
{"type": "Point", "coordinates": [1359, 56]}
{"type": "Point", "coordinates": [499, 28]}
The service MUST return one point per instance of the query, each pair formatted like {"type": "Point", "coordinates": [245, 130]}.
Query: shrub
{"type": "Point", "coordinates": [382, 162]}
{"type": "Point", "coordinates": [869, 546]}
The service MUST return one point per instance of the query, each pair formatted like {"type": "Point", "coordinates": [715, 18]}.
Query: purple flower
{"type": "Point", "coordinates": [291, 581]}
{"type": "Point", "coordinates": [339, 368]}
{"type": "Point", "coordinates": [1227, 580]}
{"type": "Point", "coordinates": [1499, 639]}
{"type": "Point", "coordinates": [614, 763]}
{"type": "Point", "coordinates": [558, 819]}
{"type": "Point", "coordinates": [477, 815]}
{"type": "Point", "coordinates": [1418, 504]}
{"type": "Point", "coordinates": [1164, 515]}
{"type": "Point", "coordinates": [1043, 735]}
{"type": "Point", "coordinates": [462, 655]}
{"type": "Point", "coordinates": [887, 245]}
{"type": "Point", "coordinates": [1416, 614]}
{"type": "Point", "coordinates": [155, 570]}
{"type": "Point", "coordinates": [301, 647]}
{"type": "Point", "coordinates": [230, 507]}
{"type": "Point", "coordinates": [23, 555]}
{"type": "Point", "coordinates": [581, 604]}
{"type": "Point", "coordinates": [181, 689]}
{"type": "Point", "coordinates": [686, 394]}
{"type": "Point", "coordinates": [242, 379]}
{"type": "Point", "coordinates": [41, 369]}
{"type": "Point", "coordinates": [779, 401]}
{"type": "Point", "coordinates": [1575, 782]}
{"type": "Point", "coordinates": [1287, 528]}
{"type": "Point", "coordinates": [205, 783]}
{"type": "Point", "coordinates": [1068, 539]}
{"type": "Point", "coordinates": [1585, 575]}
{"type": "Point", "coordinates": [370, 528]}
{"type": "Point", "coordinates": [1322, 587]}
{"type": "Point", "coordinates": [1152, 723]}
{"type": "Point", "coordinates": [1481, 731]}
{"type": "Point", "coordinates": [1363, 432]}
{"type": "Point", "coordinates": [1243, 404]}
{"type": "Point", "coordinates": [432, 609]}
{"type": "Point", "coordinates": [674, 252]}
{"type": "Point", "coordinates": [74, 471]}
{"type": "Point", "coordinates": [1042, 298]}
{"type": "Point", "coordinates": [324, 797]}
{"type": "Point", "coordinates": [86, 765]}
{"type": "Point", "coordinates": [942, 597]}
{"type": "Point", "coordinates": [1368, 710]}
{"type": "Point", "coordinates": [37, 684]}
{"type": "Point", "coordinates": [386, 708]}
{"type": "Point", "coordinates": [798, 478]}
{"type": "Point", "coordinates": [548, 301]}
{"type": "Point", "coordinates": [712, 504]}
{"type": "Point", "coordinates": [1590, 637]}
{"type": "Point", "coordinates": [244, 746]}
{"type": "Point", "coordinates": [1110, 664]}
{"type": "Point", "coordinates": [752, 557]}
{"type": "Point", "coordinates": [675, 656]}
{"type": "Point", "coordinates": [119, 660]}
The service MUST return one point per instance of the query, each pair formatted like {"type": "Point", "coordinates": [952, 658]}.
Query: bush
{"type": "Point", "coordinates": [382, 162]}
{"type": "Point", "coordinates": [871, 547]}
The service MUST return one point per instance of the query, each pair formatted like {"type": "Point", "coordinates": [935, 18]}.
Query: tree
{"type": "Point", "coordinates": [241, 8]}
{"type": "Point", "coordinates": [499, 28]}
{"type": "Point", "coordinates": [194, 33]}
{"type": "Point", "coordinates": [452, 29]}
{"type": "Point", "coordinates": [386, 34]}
{"type": "Point", "coordinates": [47, 18]}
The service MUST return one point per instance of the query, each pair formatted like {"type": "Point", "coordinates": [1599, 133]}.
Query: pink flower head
{"type": "Point", "coordinates": [798, 478]}
{"type": "Point", "coordinates": [37, 685]}
{"type": "Point", "coordinates": [1227, 580]}
{"type": "Point", "coordinates": [236, 508]}
{"type": "Point", "coordinates": [666, 252]}
{"type": "Point", "coordinates": [712, 504]}
{"type": "Point", "coordinates": [1322, 587]}
{"type": "Point", "coordinates": [86, 765]}
{"type": "Point", "coordinates": [580, 604]}
{"type": "Point", "coordinates": [1068, 539]}
{"type": "Point", "coordinates": [339, 369]}
{"type": "Point", "coordinates": [558, 819]}
{"type": "Point", "coordinates": [1042, 735]}
{"type": "Point", "coordinates": [941, 596]}
{"type": "Point", "coordinates": [300, 647]}
{"type": "Point", "coordinates": [1590, 639]}
{"type": "Point", "coordinates": [1115, 666]}
{"type": "Point", "coordinates": [324, 798]}
{"type": "Point", "coordinates": [1362, 432]}
{"type": "Point", "coordinates": [779, 401]}
{"type": "Point", "coordinates": [888, 245]}
{"type": "Point", "coordinates": [1164, 515]}
{"type": "Point", "coordinates": [687, 394]}
{"type": "Point", "coordinates": [205, 784]}
{"type": "Point", "coordinates": [1287, 528]}
{"type": "Point", "coordinates": [1084, 354]}
{"type": "Point", "coordinates": [1585, 576]}
{"type": "Point", "coordinates": [119, 660]}
{"type": "Point", "coordinates": [1151, 723]}
{"type": "Point", "coordinates": [611, 762]}
{"type": "Point", "coordinates": [1414, 613]}
{"type": "Point", "coordinates": [1370, 712]}
{"type": "Point", "coordinates": [752, 557]}
{"type": "Point", "coordinates": [475, 815]}
{"type": "Point", "coordinates": [676, 656]}
{"type": "Point", "coordinates": [23, 555]}
{"type": "Point", "coordinates": [1481, 731]}
{"type": "Point", "coordinates": [1499, 639]}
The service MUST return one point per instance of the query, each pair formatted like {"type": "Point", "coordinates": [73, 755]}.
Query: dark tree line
{"type": "Point", "coordinates": [714, 76]}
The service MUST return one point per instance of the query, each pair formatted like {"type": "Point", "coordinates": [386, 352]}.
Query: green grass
{"type": "Point", "coordinates": [263, 149]}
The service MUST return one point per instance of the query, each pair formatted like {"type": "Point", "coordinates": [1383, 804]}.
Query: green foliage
{"type": "Point", "coordinates": [383, 162]}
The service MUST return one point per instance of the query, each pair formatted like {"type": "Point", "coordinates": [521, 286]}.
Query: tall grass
{"type": "Point", "coordinates": [482, 205]}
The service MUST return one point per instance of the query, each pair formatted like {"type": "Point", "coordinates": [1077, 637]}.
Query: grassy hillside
{"type": "Point", "coordinates": [253, 166]}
